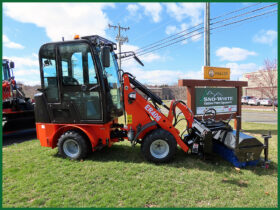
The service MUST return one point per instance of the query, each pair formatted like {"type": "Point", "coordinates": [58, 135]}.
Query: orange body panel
{"type": "Point", "coordinates": [49, 133]}
{"type": "Point", "coordinates": [140, 112]}
{"type": "Point", "coordinates": [144, 112]}
{"type": "Point", "coordinates": [6, 90]}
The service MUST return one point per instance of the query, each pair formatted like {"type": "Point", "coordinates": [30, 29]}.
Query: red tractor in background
{"type": "Point", "coordinates": [83, 93]}
{"type": "Point", "coordinates": [17, 110]}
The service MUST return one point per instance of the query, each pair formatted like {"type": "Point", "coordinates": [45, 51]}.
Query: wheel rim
{"type": "Point", "coordinates": [71, 148]}
{"type": "Point", "coordinates": [159, 149]}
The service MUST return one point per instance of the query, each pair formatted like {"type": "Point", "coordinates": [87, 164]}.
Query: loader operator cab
{"type": "Point", "coordinates": [79, 82]}
{"type": "Point", "coordinates": [6, 66]}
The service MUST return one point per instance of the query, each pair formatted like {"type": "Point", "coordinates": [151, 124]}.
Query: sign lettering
{"type": "Point", "coordinates": [224, 100]}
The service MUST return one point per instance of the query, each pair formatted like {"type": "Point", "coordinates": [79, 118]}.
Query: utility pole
{"type": "Point", "coordinates": [120, 39]}
{"type": "Point", "coordinates": [207, 34]}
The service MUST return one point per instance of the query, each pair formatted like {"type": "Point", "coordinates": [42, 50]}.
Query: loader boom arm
{"type": "Point", "coordinates": [141, 112]}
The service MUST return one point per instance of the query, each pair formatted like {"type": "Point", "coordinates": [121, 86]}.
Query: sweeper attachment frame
{"type": "Point", "coordinates": [84, 93]}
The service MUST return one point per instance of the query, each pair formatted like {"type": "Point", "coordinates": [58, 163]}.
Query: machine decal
{"type": "Point", "coordinates": [152, 112]}
{"type": "Point", "coordinates": [129, 119]}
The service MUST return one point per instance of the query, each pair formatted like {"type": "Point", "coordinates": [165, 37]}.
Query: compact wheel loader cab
{"type": "Point", "coordinates": [80, 95]}
{"type": "Point", "coordinates": [83, 93]}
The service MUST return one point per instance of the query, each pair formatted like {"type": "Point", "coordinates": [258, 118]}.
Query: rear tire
{"type": "Point", "coordinates": [72, 145]}
{"type": "Point", "coordinates": [159, 146]}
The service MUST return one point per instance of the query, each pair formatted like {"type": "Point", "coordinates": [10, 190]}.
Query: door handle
{"type": "Point", "coordinates": [94, 87]}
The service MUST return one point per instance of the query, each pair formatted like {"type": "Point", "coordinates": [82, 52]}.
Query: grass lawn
{"type": "Point", "coordinates": [34, 176]}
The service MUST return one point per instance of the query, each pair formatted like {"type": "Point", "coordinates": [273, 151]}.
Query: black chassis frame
{"type": "Point", "coordinates": [103, 88]}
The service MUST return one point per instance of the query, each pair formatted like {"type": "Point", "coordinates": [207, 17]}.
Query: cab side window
{"type": "Point", "coordinates": [77, 65]}
{"type": "Point", "coordinates": [48, 65]}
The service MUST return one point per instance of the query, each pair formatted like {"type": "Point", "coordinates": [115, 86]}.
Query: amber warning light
{"type": "Point", "coordinates": [76, 37]}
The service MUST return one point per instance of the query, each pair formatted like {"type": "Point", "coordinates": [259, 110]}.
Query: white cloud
{"type": "Point", "coordinates": [236, 70]}
{"type": "Point", "coordinates": [9, 44]}
{"type": "Point", "coordinates": [20, 62]}
{"type": "Point", "coordinates": [265, 37]}
{"type": "Point", "coordinates": [26, 69]}
{"type": "Point", "coordinates": [62, 19]}
{"type": "Point", "coordinates": [132, 8]}
{"type": "Point", "coordinates": [133, 13]}
{"type": "Point", "coordinates": [171, 30]}
{"type": "Point", "coordinates": [195, 36]}
{"type": "Point", "coordinates": [163, 76]}
{"type": "Point", "coordinates": [233, 54]}
{"type": "Point", "coordinates": [148, 58]}
{"type": "Point", "coordinates": [156, 76]}
{"type": "Point", "coordinates": [180, 11]}
{"type": "Point", "coordinates": [153, 10]}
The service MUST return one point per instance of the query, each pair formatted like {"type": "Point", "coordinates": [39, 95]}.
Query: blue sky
{"type": "Point", "coordinates": [242, 47]}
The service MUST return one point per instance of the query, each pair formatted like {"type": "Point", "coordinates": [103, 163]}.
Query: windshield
{"type": "Point", "coordinates": [5, 72]}
{"type": "Point", "coordinates": [111, 73]}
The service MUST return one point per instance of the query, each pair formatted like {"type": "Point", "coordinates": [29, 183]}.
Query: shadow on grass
{"type": "Point", "coordinates": [237, 182]}
{"type": "Point", "coordinates": [19, 137]}
{"type": "Point", "coordinates": [128, 154]}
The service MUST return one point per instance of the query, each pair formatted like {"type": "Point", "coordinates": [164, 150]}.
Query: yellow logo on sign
{"type": "Point", "coordinates": [216, 73]}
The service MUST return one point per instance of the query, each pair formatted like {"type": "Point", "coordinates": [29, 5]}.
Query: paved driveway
{"type": "Point", "coordinates": [259, 117]}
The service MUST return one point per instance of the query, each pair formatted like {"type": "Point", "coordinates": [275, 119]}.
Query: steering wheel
{"type": "Point", "coordinates": [70, 81]}
{"type": "Point", "coordinates": [209, 112]}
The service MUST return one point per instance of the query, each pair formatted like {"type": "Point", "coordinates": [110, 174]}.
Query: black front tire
{"type": "Point", "coordinates": [166, 140]}
{"type": "Point", "coordinates": [72, 145]}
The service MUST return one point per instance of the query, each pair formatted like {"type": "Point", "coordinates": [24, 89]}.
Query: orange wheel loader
{"type": "Point", "coordinates": [83, 93]}
{"type": "Point", "coordinates": [17, 109]}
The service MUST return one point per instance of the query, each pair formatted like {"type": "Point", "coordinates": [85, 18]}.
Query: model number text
{"type": "Point", "coordinates": [152, 112]}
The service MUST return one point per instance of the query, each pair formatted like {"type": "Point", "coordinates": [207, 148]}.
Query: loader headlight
{"type": "Point", "coordinates": [132, 95]}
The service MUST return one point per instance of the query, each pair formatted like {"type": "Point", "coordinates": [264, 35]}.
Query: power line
{"type": "Point", "coordinates": [226, 14]}
{"type": "Point", "coordinates": [142, 51]}
{"type": "Point", "coordinates": [155, 43]}
{"type": "Point", "coordinates": [156, 28]}
{"type": "Point", "coordinates": [224, 25]}
{"type": "Point", "coordinates": [271, 11]}
{"type": "Point", "coordinates": [152, 44]}
{"type": "Point", "coordinates": [212, 29]}
{"type": "Point", "coordinates": [173, 39]}
{"type": "Point", "coordinates": [243, 14]}
{"type": "Point", "coordinates": [249, 21]}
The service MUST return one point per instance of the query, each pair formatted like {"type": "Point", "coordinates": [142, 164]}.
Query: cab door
{"type": "Point", "coordinates": [79, 82]}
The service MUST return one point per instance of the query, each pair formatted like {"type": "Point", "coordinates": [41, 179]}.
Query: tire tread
{"type": "Point", "coordinates": [80, 140]}
{"type": "Point", "coordinates": [154, 135]}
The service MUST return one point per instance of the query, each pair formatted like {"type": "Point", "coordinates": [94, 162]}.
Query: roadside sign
{"type": "Point", "coordinates": [216, 73]}
{"type": "Point", "coordinates": [223, 100]}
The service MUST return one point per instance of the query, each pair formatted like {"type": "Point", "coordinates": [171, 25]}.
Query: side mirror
{"type": "Point", "coordinates": [105, 56]}
{"type": "Point", "coordinates": [138, 60]}
{"type": "Point", "coordinates": [12, 65]}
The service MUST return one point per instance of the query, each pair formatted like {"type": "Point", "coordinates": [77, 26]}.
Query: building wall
{"type": "Point", "coordinates": [170, 92]}
{"type": "Point", "coordinates": [253, 88]}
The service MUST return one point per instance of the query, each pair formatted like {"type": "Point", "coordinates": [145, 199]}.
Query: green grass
{"type": "Point", "coordinates": [34, 176]}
